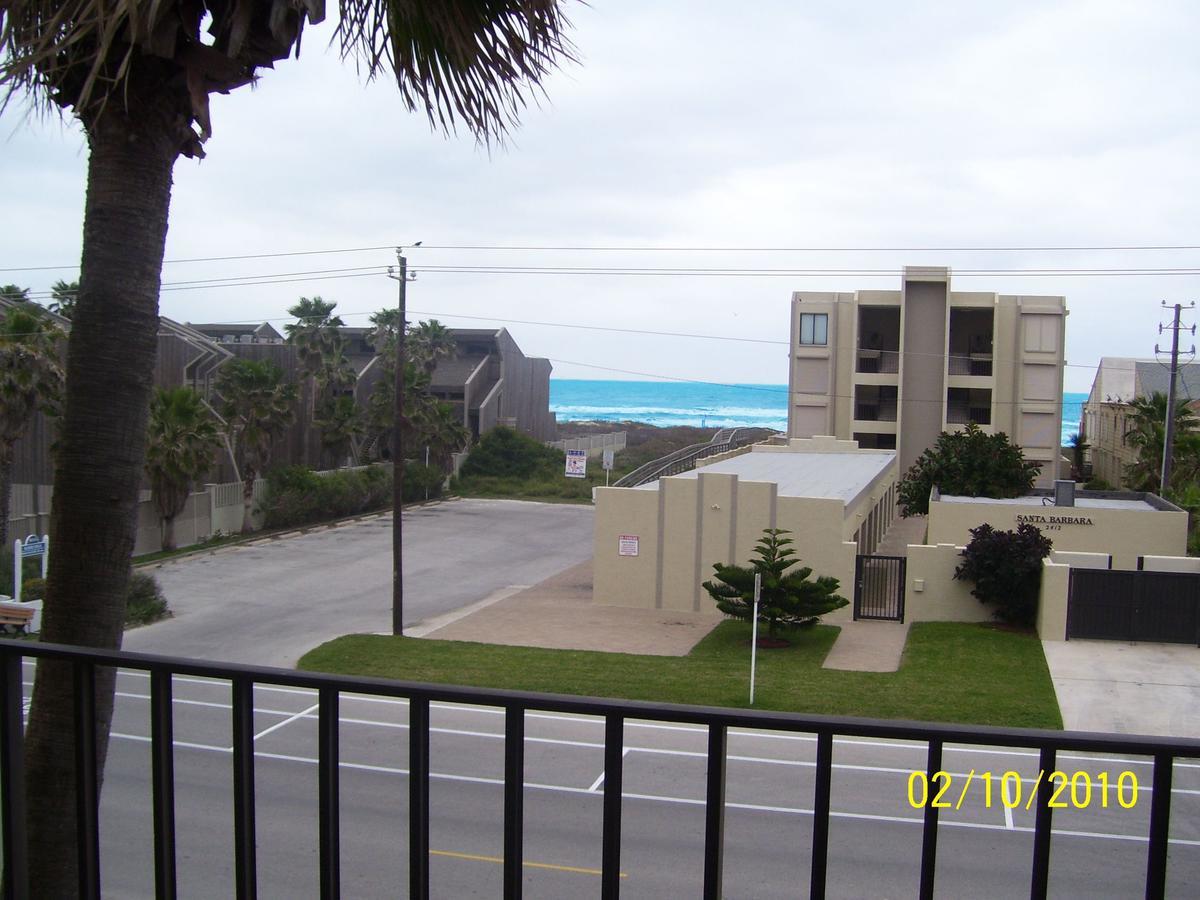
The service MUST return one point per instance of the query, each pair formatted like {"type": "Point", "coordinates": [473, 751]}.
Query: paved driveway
{"type": "Point", "coordinates": [1112, 686]}
{"type": "Point", "coordinates": [270, 601]}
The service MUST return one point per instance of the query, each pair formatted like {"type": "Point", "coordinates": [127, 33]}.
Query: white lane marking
{"type": "Point", "coordinates": [1004, 801]}
{"type": "Point", "coordinates": [599, 781]}
{"type": "Point", "coordinates": [765, 760]}
{"type": "Point", "coordinates": [300, 715]}
{"type": "Point", "coordinates": [660, 798]}
{"type": "Point", "coordinates": [698, 730]}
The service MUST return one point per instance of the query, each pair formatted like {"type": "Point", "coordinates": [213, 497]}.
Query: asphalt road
{"type": "Point", "coordinates": [270, 601]}
{"type": "Point", "coordinates": [984, 850]}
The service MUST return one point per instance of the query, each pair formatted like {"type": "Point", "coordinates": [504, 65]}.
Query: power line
{"type": "Point", "coordinates": [198, 259]}
{"type": "Point", "coordinates": [648, 248]}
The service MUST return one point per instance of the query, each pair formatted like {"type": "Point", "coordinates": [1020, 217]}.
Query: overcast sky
{"type": "Point", "coordinates": [695, 125]}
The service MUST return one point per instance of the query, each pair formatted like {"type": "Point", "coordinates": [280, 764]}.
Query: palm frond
{"type": "Point", "coordinates": [474, 61]}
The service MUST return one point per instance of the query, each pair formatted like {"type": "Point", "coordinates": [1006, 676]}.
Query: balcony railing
{"type": "Point", "coordinates": [329, 689]}
{"type": "Point", "coordinates": [883, 411]}
{"type": "Point", "coordinates": [974, 364]}
{"type": "Point", "coordinates": [882, 362]}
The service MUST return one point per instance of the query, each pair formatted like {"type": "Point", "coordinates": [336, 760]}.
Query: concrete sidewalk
{"type": "Point", "coordinates": [864, 646]}
{"type": "Point", "coordinates": [558, 613]}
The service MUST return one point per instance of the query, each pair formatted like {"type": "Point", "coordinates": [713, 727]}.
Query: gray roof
{"type": "Point", "coordinates": [1153, 378]}
{"type": "Point", "coordinates": [834, 476]}
{"type": "Point", "coordinates": [1036, 503]}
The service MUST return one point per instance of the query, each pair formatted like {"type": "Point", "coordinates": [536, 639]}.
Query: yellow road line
{"type": "Point", "coordinates": [532, 865]}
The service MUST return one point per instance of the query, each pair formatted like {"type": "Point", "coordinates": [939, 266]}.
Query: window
{"type": "Point", "coordinates": [814, 328]}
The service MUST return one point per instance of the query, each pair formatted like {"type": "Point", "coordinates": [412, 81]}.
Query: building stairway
{"type": "Point", "coordinates": [900, 534]}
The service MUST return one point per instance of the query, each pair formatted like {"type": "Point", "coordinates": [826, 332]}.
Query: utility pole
{"type": "Point", "coordinates": [1164, 481]}
{"type": "Point", "coordinates": [398, 454]}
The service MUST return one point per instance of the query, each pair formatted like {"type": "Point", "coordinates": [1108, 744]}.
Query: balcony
{"type": "Point", "coordinates": [968, 405]}
{"type": "Point", "coordinates": [878, 340]}
{"type": "Point", "coordinates": [875, 403]}
{"type": "Point", "coordinates": [699, 840]}
{"type": "Point", "coordinates": [970, 341]}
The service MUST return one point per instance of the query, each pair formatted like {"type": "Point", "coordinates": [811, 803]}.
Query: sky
{"type": "Point", "coordinates": [803, 137]}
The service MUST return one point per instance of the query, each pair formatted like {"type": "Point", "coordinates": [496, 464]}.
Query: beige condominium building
{"type": "Point", "coordinates": [893, 369]}
{"type": "Point", "coordinates": [1108, 413]}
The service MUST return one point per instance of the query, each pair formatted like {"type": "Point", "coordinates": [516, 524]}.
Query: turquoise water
{"type": "Point", "coordinates": [666, 403]}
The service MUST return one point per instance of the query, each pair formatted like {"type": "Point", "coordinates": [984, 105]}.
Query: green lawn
{"type": "Point", "coordinates": [951, 672]}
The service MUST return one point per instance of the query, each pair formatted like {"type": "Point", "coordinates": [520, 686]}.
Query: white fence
{"type": "Point", "coordinates": [594, 444]}
{"type": "Point", "coordinates": [217, 508]}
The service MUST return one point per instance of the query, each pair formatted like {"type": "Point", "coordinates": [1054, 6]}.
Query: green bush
{"type": "Point", "coordinates": [33, 589]}
{"type": "Point", "coordinates": [1097, 484]}
{"type": "Point", "coordinates": [31, 568]}
{"type": "Point", "coordinates": [1006, 567]}
{"type": "Point", "coordinates": [505, 453]}
{"type": "Point", "coordinates": [145, 602]}
{"type": "Point", "coordinates": [421, 481]}
{"type": "Point", "coordinates": [967, 463]}
{"type": "Point", "coordinates": [298, 496]}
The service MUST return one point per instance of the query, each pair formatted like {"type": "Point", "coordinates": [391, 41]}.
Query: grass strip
{"type": "Point", "coordinates": [968, 673]}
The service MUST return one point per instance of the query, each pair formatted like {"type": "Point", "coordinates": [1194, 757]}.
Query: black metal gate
{"type": "Point", "coordinates": [1134, 606]}
{"type": "Point", "coordinates": [879, 587]}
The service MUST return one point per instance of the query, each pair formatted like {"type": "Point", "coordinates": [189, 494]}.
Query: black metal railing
{"type": "Point", "coordinates": [329, 689]}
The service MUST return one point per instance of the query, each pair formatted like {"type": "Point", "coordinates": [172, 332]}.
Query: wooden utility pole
{"type": "Point", "coordinates": [398, 460]}
{"type": "Point", "coordinates": [1164, 482]}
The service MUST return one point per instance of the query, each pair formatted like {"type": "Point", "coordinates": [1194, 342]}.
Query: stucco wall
{"type": "Point", "coordinates": [931, 594]}
{"type": "Point", "coordinates": [1052, 601]}
{"type": "Point", "coordinates": [689, 524]}
{"type": "Point", "coordinates": [1125, 533]}
{"type": "Point", "coordinates": [1171, 564]}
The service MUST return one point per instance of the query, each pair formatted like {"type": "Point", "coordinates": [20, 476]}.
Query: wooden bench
{"type": "Point", "coordinates": [15, 616]}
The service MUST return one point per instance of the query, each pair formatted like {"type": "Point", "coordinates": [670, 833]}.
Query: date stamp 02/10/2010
{"type": "Point", "coordinates": [1065, 790]}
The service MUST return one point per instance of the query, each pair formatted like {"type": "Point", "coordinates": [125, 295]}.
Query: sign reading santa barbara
{"type": "Point", "coordinates": [1038, 519]}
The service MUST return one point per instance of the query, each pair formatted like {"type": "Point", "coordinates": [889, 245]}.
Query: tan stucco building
{"type": "Point", "coordinates": [656, 545]}
{"type": "Point", "coordinates": [894, 369]}
{"type": "Point", "coordinates": [1124, 525]}
{"type": "Point", "coordinates": [1108, 416]}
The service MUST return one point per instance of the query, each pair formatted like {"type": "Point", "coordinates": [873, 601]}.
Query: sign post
{"type": "Point", "coordinates": [31, 546]}
{"type": "Point", "coordinates": [754, 634]}
{"type": "Point", "coordinates": [608, 463]}
{"type": "Point", "coordinates": [576, 464]}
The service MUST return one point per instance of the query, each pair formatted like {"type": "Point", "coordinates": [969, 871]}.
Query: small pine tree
{"type": "Point", "coordinates": [789, 600]}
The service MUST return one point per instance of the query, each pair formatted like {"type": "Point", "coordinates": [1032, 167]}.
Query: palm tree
{"type": "Point", "coordinates": [63, 294]}
{"type": "Point", "coordinates": [138, 77]}
{"type": "Point", "coordinates": [181, 440]}
{"type": "Point", "coordinates": [14, 293]}
{"type": "Point", "coordinates": [430, 342]}
{"type": "Point", "coordinates": [442, 431]}
{"type": "Point", "coordinates": [322, 350]}
{"type": "Point", "coordinates": [257, 406]}
{"type": "Point", "coordinates": [30, 380]}
{"type": "Point", "coordinates": [1147, 434]}
{"type": "Point", "coordinates": [1079, 447]}
{"type": "Point", "coordinates": [315, 335]}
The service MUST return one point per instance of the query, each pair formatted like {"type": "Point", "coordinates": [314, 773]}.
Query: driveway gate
{"type": "Point", "coordinates": [879, 587]}
{"type": "Point", "coordinates": [1134, 606]}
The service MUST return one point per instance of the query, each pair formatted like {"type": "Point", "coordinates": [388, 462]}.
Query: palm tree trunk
{"type": "Point", "coordinates": [248, 499]}
{"type": "Point", "coordinates": [6, 464]}
{"type": "Point", "coordinates": [102, 442]}
{"type": "Point", "coordinates": [168, 533]}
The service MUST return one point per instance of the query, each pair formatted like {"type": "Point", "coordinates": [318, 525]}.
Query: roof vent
{"type": "Point", "coordinates": [1064, 492]}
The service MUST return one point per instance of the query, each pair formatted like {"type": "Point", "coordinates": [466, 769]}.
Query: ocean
{"type": "Point", "coordinates": [666, 403]}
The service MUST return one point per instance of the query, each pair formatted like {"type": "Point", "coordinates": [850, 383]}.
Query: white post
{"type": "Point", "coordinates": [754, 634]}
{"type": "Point", "coordinates": [17, 569]}
{"type": "Point", "coordinates": [45, 554]}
